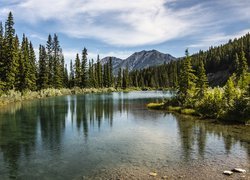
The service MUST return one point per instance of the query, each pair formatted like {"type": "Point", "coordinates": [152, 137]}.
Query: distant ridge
{"type": "Point", "coordinates": [139, 60]}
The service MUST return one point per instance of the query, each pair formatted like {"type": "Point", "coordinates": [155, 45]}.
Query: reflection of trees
{"type": "Point", "coordinates": [186, 137]}
{"type": "Point", "coordinates": [17, 135]}
{"type": "Point", "coordinates": [21, 124]}
{"type": "Point", "coordinates": [52, 114]}
{"type": "Point", "coordinates": [193, 131]}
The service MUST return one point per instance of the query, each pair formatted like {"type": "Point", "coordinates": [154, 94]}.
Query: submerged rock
{"type": "Point", "coordinates": [153, 174]}
{"type": "Point", "coordinates": [228, 173]}
{"type": "Point", "coordinates": [239, 170]}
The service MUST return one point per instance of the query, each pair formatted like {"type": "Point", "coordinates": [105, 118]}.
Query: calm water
{"type": "Point", "coordinates": [99, 135]}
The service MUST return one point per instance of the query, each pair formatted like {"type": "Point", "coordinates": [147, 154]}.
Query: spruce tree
{"type": "Point", "coordinates": [110, 73]}
{"type": "Point", "coordinates": [71, 75]}
{"type": "Point", "coordinates": [9, 54]}
{"type": "Point", "coordinates": [202, 82]}
{"type": "Point", "coordinates": [42, 69]}
{"type": "Point", "coordinates": [242, 71]}
{"type": "Point", "coordinates": [229, 92]}
{"type": "Point", "coordinates": [25, 73]}
{"type": "Point", "coordinates": [187, 80]}
{"type": "Point", "coordinates": [2, 83]}
{"type": "Point", "coordinates": [119, 79]}
{"type": "Point", "coordinates": [77, 71]}
{"type": "Point", "coordinates": [57, 55]}
{"type": "Point", "coordinates": [49, 47]}
{"type": "Point", "coordinates": [99, 73]}
{"type": "Point", "coordinates": [33, 68]}
{"type": "Point", "coordinates": [125, 78]}
{"type": "Point", "coordinates": [84, 71]}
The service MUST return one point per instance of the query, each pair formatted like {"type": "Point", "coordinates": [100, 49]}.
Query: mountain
{"type": "Point", "coordinates": [140, 60]}
{"type": "Point", "coordinates": [115, 61]}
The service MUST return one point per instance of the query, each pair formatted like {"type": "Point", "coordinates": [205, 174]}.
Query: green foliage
{"type": "Point", "coordinates": [187, 82]}
{"type": "Point", "coordinates": [42, 82]}
{"type": "Point", "coordinates": [211, 105]}
{"type": "Point", "coordinates": [77, 71]}
{"type": "Point", "coordinates": [155, 105]}
{"type": "Point", "coordinates": [84, 71]}
{"type": "Point", "coordinates": [202, 82]}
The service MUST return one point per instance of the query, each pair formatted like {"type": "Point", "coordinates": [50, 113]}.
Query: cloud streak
{"type": "Point", "coordinates": [119, 22]}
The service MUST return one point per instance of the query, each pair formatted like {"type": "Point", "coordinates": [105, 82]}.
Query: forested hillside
{"type": "Point", "coordinates": [220, 62]}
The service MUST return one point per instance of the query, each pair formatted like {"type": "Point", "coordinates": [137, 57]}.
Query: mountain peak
{"type": "Point", "coordinates": [140, 60]}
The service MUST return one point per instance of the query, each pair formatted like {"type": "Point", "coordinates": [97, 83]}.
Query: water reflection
{"type": "Point", "coordinates": [29, 128]}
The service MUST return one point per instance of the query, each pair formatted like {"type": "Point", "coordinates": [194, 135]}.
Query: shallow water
{"type": "Point", "coordinates": [114, 136]}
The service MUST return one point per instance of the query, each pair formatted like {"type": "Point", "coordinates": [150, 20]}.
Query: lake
{"type": "Point", "coordinates": [114, 136]}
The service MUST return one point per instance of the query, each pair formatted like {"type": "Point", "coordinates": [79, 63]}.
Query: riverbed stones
{"type": "Point", "coordinates": [239, 170]}
{"type": "Point", "coordinates": [229, 173]}
{"type": "Point", "coordinates": [153, 174]}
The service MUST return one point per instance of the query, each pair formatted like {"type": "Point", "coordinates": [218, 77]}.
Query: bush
{"type": "Point", "coordinates": [211, 105]}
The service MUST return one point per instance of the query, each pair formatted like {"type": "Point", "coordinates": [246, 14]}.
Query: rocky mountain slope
{"type": "Point", "coordinates": [139, 60]}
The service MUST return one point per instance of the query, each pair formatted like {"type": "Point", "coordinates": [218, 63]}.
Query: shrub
{"type": "Point", "coordinates": [211, 105]}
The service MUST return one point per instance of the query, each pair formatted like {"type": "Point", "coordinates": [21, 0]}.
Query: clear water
{"type": "Point", "coordinates": [108, 135]}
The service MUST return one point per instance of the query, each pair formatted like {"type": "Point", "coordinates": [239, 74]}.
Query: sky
{"type": "Point", "coordinates": [122, 27]}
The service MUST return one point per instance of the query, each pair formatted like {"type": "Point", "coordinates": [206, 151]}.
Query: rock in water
{"type": "Point", "coordinates": [239, 170]}
{"type": "Point", "coordinates": [228, 173]}
{"type": "Point", "coordinates": [153, 174]}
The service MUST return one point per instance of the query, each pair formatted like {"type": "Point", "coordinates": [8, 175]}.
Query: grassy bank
{"type": "Point", "coordinates": [13, 96]}
{"type": "Point", "coordinates": [16, 96]}
{"type": "Point", "coordinates": [178, 109]}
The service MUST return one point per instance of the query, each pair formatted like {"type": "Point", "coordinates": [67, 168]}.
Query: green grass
{"type": "Point", "coordinates": [174, 108]}
{"type": "Point", "coordinates": [13, 96]}
{"type": "Point", "coordinates": [156, 106]}
{"type": "Point", "coordinates": [188, 111]}
{"type": "Point", "coordinates": [160, 106]}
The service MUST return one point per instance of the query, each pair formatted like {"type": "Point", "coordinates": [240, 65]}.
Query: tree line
{"type": "Point", "coordinates": [19, 69]}
{"type": "Point", "coordinates": [216, 59]}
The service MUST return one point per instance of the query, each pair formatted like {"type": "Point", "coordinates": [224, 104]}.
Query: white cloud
{"type": "Point", "coordinates": [116, 22]}
{"type": "Point", "coordinates": [217, 39]}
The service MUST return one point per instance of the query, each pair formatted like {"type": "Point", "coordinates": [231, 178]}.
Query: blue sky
{"type": "Point", "coordinates": [121, 27]}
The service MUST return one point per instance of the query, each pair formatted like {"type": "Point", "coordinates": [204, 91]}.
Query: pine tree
{"type": "Point", "coordinates": [187, 80]}
{"type": "Point", "coordinates": [202, 82]}
{"type": "Point", "coordinates": [25, 62]}
{"type": "Point", "coordinates": [125, 78]}
{"type": "Point", "coordinates": [2, 83]}
{"type": "Point", "coordinates": [110, 73]}
{"type": "Point", "coordinates": [229, 94]}
{"type": "Point", "coordinates": [42, 82]}
{"type": "Point", "coordinates": [33, 70]}
{"type": "Point", "coordinates": [49, 46]}
{"type": "Point", "coordinates": [99, 73]}
{"type": "Point", "coordinates": [9, 59]}
{"type": "Point", "coordinates": [242, 71]}
{"type": "Point", "coordinates": [71, 75]}
{"type": "Point", "coordinates": [77, 71]}
{"type": "Point", "coordinates": [84, 71]}
{"type": "Point", "coordinates": [119, 79]}
{"type": "Point", "coordinates": [66, 77]}
{"type": "Point", "coordinates": [57, 55]}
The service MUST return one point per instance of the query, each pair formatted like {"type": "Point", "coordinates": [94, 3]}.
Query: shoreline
{"type": "Point", "coordinates": [13, 96]}
{"type": "Point", "coordinates": [190, 112]}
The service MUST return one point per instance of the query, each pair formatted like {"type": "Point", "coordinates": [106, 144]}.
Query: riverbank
{"type": "Point", "coordinates": [13, 96]}
{"type": "Point", "coordinates": [178, 109]}
{"type": "Point", "coordinates": [191, 112]}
